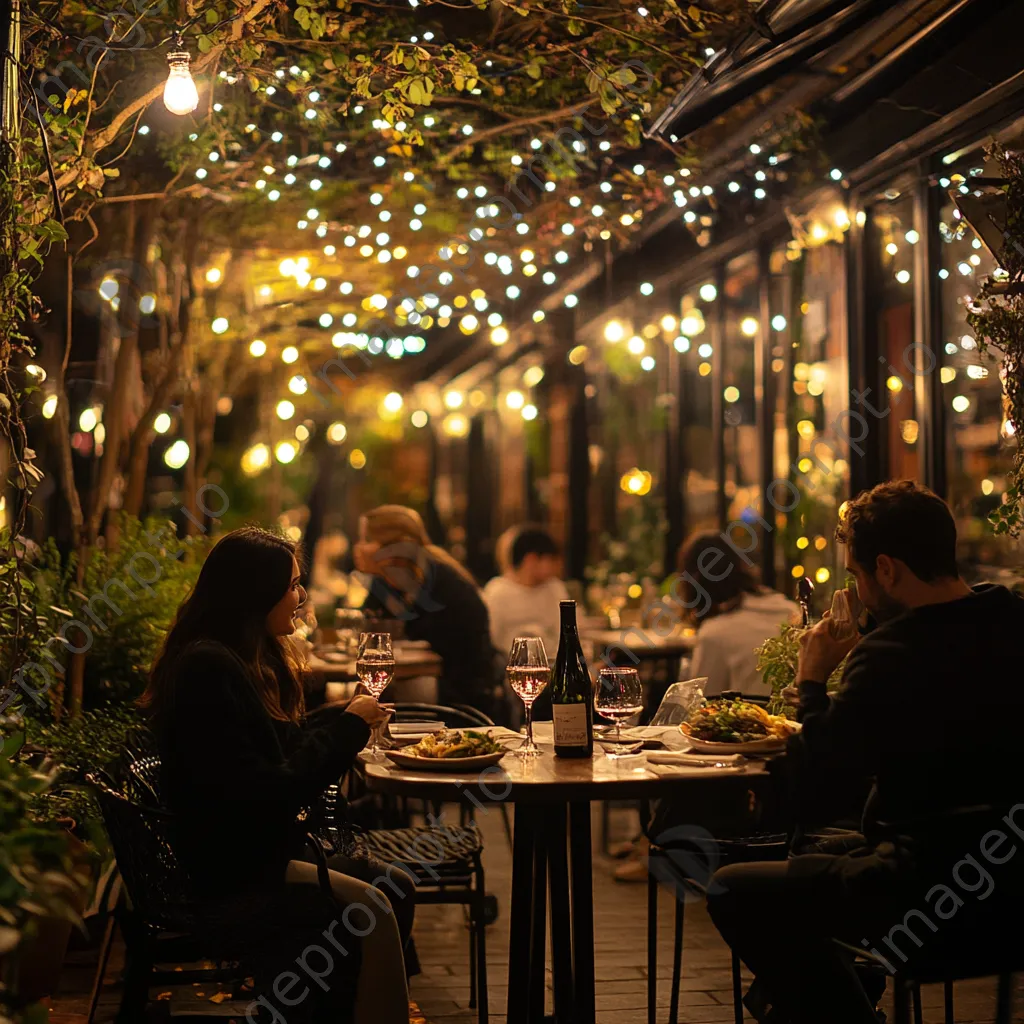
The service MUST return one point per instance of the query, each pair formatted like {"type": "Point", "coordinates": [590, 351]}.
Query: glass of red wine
{"type": "Point", "coordinates": [528, 673]}
{"type": "Point", "coordinates": [375, 666]}
{"type": "Point", "coordinates": [618, 695]}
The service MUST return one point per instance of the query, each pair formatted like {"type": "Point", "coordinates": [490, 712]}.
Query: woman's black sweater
{"type": "Point", "coordinates": [236, 779]}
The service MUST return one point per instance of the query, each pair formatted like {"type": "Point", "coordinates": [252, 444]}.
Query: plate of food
{"type": "Point", "coordinates": [450, 750]}
{"type": "Point", "coordinates": [737, 727]}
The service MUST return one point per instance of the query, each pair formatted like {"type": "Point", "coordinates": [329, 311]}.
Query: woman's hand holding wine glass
{"type": "Point", "coordinates": [375, 666]}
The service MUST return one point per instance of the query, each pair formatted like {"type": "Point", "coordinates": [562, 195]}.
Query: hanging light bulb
{"type": "Point", "coordinates": [180, 93]}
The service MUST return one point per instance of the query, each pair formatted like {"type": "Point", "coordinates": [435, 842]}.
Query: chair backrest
{"type": "Point", "coordinates": [140, 828]}
{"type": "Point", "coordinates": [458, 716]}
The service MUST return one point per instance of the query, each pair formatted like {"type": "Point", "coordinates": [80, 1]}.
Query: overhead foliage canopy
{"type": "Point", "coordinates": [536, 108]}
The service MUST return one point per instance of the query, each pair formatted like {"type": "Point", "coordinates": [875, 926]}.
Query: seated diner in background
{"type": "Point", "coordinates": [240, 761]}
{"type": "Point", "coordinates": [523, 600]}
{"type": "Point", "coordinates": [733, 614]}
{"type": "Point", "coordinates": [929, 707]}
{"type": "Point", "coordinates": [414, 580]}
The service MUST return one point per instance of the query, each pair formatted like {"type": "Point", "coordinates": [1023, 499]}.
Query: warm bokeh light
{"type": "Point", "coordinates": [692, 324]}
{"type": "Point", "coordinates": [393, 401]}
{"type": "Point", "coordinates": [456, 425]}
{"type": "Point", "coordinates": [255, 459]}
{"type": "Point", "coordinates": [419, 418]}
{"type": "Point", "coordinates": [499, 335]}
{"type": "Point", "coordinates": [177, 455]}
{"type": "Point", "coordinates": [515, 400]}
{"type": "Point", "coordinates": [336, 433]}
{"type": "Point", "coordinates": [285, 410]}
{"type": "Point", "coordinates": [453, 399]}
{"type": "Point", "coordinates": [162, 423]}
{"type": "Point", "coordinates": [285, 451]}
{"type": "Point", "coordinates": [636, 481]}
{"type": "Point", "coordinates": [357, 458]}
{"type": "Point", "coordinates": [614, 331]}
{"type": "Point", "coordinates": [290, 354]}
{"type": "Point", "coordinates": [749, 326]}
{"type": "Point", "coordinates": [257, 348]}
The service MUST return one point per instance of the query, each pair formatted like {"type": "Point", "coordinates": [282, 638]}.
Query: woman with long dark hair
{"type": "Point", "coordinates": [241, 760]}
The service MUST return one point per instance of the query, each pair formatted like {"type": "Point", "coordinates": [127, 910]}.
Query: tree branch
{"type": "Point", "coordinates": [106, 136]}
{"type": "Point", "coordinates": [520, 122]}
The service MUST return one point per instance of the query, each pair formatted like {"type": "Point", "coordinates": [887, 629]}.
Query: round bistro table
{"type": "Point", "coordinates": [551, 857]}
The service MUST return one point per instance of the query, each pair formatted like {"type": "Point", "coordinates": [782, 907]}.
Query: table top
{"type": "Point", "coordinates": [643, 642]}
{"type": "Point", "coordinates": [410, 662]}
{"type": "Point", "coordinates": [550, 779]}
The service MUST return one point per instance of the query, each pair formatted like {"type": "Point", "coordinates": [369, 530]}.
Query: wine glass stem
{"type": "Point", "coordinates": [529, 725]}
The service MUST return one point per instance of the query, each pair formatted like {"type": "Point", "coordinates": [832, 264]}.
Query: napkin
{"type": "Point", "coordinates": [675, 757]}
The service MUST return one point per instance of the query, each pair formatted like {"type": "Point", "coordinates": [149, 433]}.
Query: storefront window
{"type": "Point", "coordinates": [890, 240]}
{"type": "Point", "coordinates": [742, 334]}
{"type": "Point", "coordinates": [698, 455]}
{"type": "Point", "coordinates": [979, 445]}
{"type": "Point", "coordinates": [817, 390]}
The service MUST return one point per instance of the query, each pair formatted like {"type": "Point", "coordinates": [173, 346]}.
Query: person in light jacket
{"type": "Point", "coordinates": [733, 613]}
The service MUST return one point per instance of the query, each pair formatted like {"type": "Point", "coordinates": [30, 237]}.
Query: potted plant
{"type": "Point", "coordinates": [42, 886]}
{"type": "Point", "coordinates": [777, 661]}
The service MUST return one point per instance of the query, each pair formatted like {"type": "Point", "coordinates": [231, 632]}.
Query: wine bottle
{"type": "Point", "coordinates": [572, 698]}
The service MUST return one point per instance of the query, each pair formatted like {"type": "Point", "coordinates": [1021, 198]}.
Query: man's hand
{"type": "Point", "coordinates": [821, 653]}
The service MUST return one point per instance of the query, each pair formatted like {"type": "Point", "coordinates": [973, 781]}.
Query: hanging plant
{"type": "Point", "coordinates": [997, 318]}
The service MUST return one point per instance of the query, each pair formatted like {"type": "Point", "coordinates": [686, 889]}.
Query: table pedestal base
{"type": "Point", "coordinates": [552, 855]}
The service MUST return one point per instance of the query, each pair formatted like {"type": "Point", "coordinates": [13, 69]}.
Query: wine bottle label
{"type": "Point", "coordinates": [570, 722]}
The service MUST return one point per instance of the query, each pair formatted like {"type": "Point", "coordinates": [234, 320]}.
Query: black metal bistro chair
{"type": "Point", "coordinates": [445, 861]}
{"type": "Point", "coordinates": [962, 962]}
{"type": "Point", "coordinates": [156, 912]}
{"type": "Point", "coordinates": [672, 863]}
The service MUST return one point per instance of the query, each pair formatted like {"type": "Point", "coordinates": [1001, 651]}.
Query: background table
{"type": "Point", "coordinates": [644, 644]}
{"type": "Point", "coordinates": [551, 855]}
{"type": "Point", "coordinates": [340, 679]}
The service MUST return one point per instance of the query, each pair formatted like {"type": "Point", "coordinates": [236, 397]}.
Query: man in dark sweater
{"type": "Point", "coordinates": [930, 708]}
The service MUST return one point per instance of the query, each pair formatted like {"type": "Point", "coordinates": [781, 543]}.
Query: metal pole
{"type": "Point", "coordinates": [10, 32]}
{"type": "Point", "coordinates": [764, 403]}
{"type": "Point", "coordinates": [718, 329]}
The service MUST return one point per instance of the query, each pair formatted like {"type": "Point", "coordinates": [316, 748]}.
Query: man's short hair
{"type": "Point", "coordinates": [903, 520]}
{"type": "Point", "coordinates": [532, 540]}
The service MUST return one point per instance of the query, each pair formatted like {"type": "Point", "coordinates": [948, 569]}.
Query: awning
{"type": "Point", "coordinates": [788, 33]}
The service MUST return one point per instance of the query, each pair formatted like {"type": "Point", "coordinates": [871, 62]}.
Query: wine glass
{"type": "Point", "coordinates": [375, 666]}
{"type": "Point", "coordinates": [528, 674]}
{"type": "Point", "coordinates": [618, 696]}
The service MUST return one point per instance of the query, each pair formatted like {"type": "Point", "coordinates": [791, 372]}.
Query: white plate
{"type": "Point", "coordinates": [771, 745]}
{"type": "Point", "coordinates": [453, 765]}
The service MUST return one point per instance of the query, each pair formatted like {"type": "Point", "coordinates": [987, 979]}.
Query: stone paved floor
{"type": "Point", "coordinates": [442, 990]}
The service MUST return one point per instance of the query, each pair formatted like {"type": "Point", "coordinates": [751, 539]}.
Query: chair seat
{"type": "Point", "coordinates": [433, 854]}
